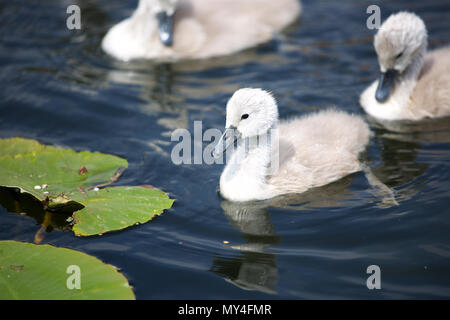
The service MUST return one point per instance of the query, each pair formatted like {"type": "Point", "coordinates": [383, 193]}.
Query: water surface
{"type": "Point", "coordinates": [57, 86]}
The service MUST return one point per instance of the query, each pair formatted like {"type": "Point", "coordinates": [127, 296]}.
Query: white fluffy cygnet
{"type": "Point", "coordinates": [413, 84]}
{"type": "Point", "coordinates": [195, 29]}
{"type": "Point", "coordinates": [280, 157]}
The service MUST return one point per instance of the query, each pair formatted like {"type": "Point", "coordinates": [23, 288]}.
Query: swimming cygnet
{"type": "Point", "coordinates": [194, 29]}
{"type": "Point", "coordinates": [280, 157]}
{"type": "Point", "coordinates": [413, 84]}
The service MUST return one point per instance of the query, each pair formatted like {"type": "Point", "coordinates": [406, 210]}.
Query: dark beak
{"type": "Point", "coordinates": [385, 85]}
{"type": "Point", "coordinates": [165, 24]}
{"type": "Point", "coordinates": [229, 137]}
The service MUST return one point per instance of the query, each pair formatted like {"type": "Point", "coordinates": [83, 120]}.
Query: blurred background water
{"type": "Point", "coordinates": [57, 86]}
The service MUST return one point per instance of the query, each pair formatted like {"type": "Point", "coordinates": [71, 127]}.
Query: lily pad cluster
{"type": "Point", "coordinates": [57, 180]}
{"type": "Point", "coordinates": [66, 180]}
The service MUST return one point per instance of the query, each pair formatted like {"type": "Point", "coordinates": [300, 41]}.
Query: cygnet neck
{"type": "Point", "coordinates": [248, 167]}
{"type": "Point", "coordinates": [407, 80]}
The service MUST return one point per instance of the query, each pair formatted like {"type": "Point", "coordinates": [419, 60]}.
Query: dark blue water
{"type": "Point", "coordinates": [57, 86]}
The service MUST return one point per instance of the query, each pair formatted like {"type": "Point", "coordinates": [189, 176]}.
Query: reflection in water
{"type": "Point", "coordinates": [400, 144]}
{"type": "Point", "coordinates": [425, 131]}
{"type": "Point", "coordinates": [156, 85]}
{"type": "Point", "coordinates": [256, 268]}
{"type": "Point", "coordinates": [26, 205]}
{"type": "Point", "coordinates": [399, 165]}
{"type": "Point", "coordinates": [250, 272]}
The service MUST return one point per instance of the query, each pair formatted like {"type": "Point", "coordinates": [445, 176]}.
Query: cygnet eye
{"type": "Point", "coordinates": [399, 55]}
{"type": "Point", "coordinates": [244, 116]}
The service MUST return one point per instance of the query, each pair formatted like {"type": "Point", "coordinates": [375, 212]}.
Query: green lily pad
{"type": "Point", "coordinates": [48, 173]}
{"type": "Point", "coordinates": [29, 272]}
{"type": "Point", "coordinates": [116, 208]}
{"type": "Point", "coordinates": [14, 146]}
{"type": "Point", "coordinates": [65, 180]}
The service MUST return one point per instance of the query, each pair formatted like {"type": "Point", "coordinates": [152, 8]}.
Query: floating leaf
{"type": "Point", "coordinates": [29, 272]}
{"type": "Point", "coordinates": [49, 173]}
{"type": "Point", "coordinates": [64, 180]}
{"type": "Point", "coordinates": [116, 208]}
{"type": "Point", "coordinates": [14, 146]}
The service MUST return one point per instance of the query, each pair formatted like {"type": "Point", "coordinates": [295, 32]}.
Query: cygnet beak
{"type": "Point", "coordinates": [385, 85]}
{"type": "Point", "coordinates": [165, 25]}
{"type": "Point", "coordinates": [229, 137]}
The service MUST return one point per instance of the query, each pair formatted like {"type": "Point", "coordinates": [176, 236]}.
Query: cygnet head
{"type": "Point", "coordinates": [163, 11]}
{"type": "Point", "coordinates": [400, 42]}
{"type": "Point", "coordinates": [250, 112]}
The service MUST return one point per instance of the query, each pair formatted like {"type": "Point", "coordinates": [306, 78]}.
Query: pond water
{"type": "Point", "coordinates": [57, 86]}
